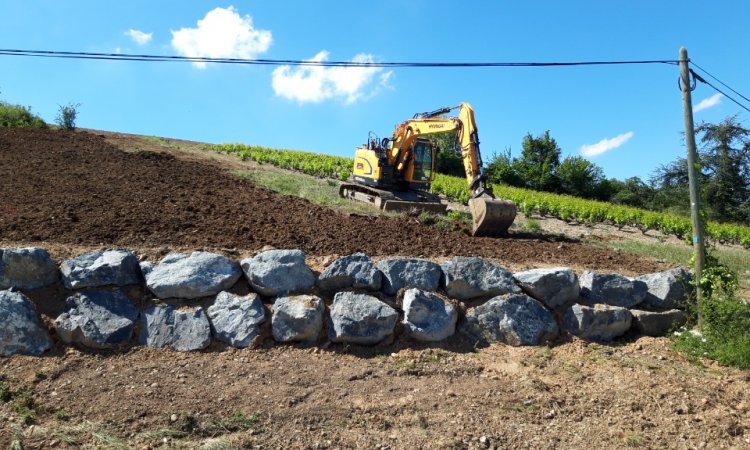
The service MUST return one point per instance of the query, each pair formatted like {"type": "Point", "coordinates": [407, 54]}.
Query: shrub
{"type": "Point", "coordinates": [725, 333]}
{"type": "Point", "coordinates": [66, 116]}
{"type": "Point", "coordinates": [16, 116]}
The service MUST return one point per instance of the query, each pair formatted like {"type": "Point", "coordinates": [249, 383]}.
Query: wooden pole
{"type": "Point", "coordinates": [692, 158]}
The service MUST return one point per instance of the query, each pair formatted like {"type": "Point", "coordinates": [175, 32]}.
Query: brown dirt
{"type": "Point", "coordinates": [75, 188]}
{"type": "Point", "coordinates": [71, 192]}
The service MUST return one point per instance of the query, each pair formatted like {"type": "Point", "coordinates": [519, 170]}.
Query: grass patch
{"type": "Point", "coordinates": [735, 259]}
{"type": "Point", "coordinates": [161, 141]}
{"type": "Point", "coordinates": [320, 191]}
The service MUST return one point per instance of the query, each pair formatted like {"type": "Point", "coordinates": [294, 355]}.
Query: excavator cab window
{"type": "Point", "coordinates": [422, 160]}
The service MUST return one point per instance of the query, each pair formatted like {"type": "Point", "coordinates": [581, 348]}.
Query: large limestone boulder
{"type": "Point", "coordinates": [200, 274]}
{"type": "Point", "coordinates": [20, 329]}
{"type": "Point", "coordinates": [404, 273]}
{"type": "Point", "coordinates": [97, 319]}
{"type": "Point", "coordinates": [599, 322]}
{"type": "Point", "coordinates": [360, 319]}
{"type": "Point", "coordinates": [183, 330]}
{"type": "Point", "coordinates": [652, 323]}
{"type": "Point", "coordinates": [297, 318]}
{"type": "Point", "coordinates": [467, 278]}
{"type": "Point", "coordinates": [428, 317]}
{"type": "Point", "coordinates": [236, 319]}
{"type": "Point", "coordinates": [612, 289]}
{"type": "Point", "coordinates": [278, 272]}
{"type": "Point", "coordinates": [554, 287]}
{"type": "Point", "coordinates": [26, 268]}
{"type": "Point", "coordinates": [354, 271]}
{"type": "Point", "coordinates": [668, 289]}
{"type": "Point", "coordinates": [111, 267]}
{"type": "Point", "coordinates": [514, 319]}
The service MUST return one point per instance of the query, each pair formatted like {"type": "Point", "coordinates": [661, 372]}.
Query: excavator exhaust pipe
{"type": "Point", "coordinates": [491, 216]}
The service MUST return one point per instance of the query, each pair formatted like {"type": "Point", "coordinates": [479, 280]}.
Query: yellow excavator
{"type": "Point", "coordinates": [395, 173]}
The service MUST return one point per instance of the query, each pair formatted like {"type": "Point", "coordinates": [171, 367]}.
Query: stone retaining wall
{"type": "Point", "coordinates": [186, 301]}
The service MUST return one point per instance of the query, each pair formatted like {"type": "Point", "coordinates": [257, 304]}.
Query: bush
{"type": "Point", "coordinates": [16, 116]}
{"type": "Point", "coordinates": [66, 116]}
{"type": "Point", "coordinates": [725, 334]}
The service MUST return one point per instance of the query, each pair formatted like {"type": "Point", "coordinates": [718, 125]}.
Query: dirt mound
{"type": "Point", "coordinates": [76, 188]}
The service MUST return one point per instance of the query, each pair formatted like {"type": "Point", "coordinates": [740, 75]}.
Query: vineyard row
{"type": "Point", "coordinates": [545, 204]}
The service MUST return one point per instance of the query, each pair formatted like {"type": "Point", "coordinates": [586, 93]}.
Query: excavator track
{"type": "Point", "coordinates": [393, 200]}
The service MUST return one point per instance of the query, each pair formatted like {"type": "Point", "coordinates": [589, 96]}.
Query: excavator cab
{"type": "Point", "coordinates": [424, 160]}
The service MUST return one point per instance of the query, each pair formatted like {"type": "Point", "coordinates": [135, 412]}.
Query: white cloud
{"type": "Point", "coordinates": [139, 37]}
{"type": "Point", "coordinates": [316, 83]}
{"type": "Point", "coordinates": [709, 102]}
{"type": "Point", "coordinates": [606, 145]}
{"type": "Point", "coordinates": [223, 33]}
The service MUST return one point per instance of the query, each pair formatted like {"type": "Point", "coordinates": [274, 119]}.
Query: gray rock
{"type": "Point", "coordinates": [660, 323]}
{"type": "Point", "coordinates": [401, 273]}
{"type": "Point", "coordinates": [183, 330]}
{"type": "Point", "coordinates": [357, 271]}
{"type": "Point", "coordinates": [278, 272]}
{"type": "Point", "coordinates": [467, 278]}
{"type": "Point", "coordinates": [514, 319]}
{"type": "Point", "coordinates": [97, 319]}
{"type": "Point", "coordinates": [146, 267]}
{"type": "Point", "coordinates": [297, 318]}
{"type": "Point", "coordinates": [200, 274]}
{"type": "Point", "coordinates": [111, 267]}
{"type": "Point", "coordinates": [360, 319]}
{"type": "Point", "coordinates": [598, 323]}
{"type": "Point", "coordinates": [612, 289]}
{"type": "Point", "coordinates": [20, 329]}
{"type": "Point", "coordinates": [554, 287]}
{"type": "Point", "coordinates": [428, 317]}
{"type": "Point", "coordinates": [26, 268]}
{"type": "Point", "coordinates": [236, 320]}
{"type": "Point", "coordinates": [668, 289]}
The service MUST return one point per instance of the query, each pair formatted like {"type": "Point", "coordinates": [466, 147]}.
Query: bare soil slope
{"type": "Point", "coordinates": [75, 188]}
{"type": "Point", "coordinates": [70, 192]}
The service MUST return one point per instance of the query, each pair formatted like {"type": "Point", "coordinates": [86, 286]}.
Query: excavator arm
{"type": "Point", "coordinates": [490, 216]}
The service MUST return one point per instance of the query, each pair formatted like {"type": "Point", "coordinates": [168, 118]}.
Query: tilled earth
{"type": "Point", "coordinates": [72, 192]}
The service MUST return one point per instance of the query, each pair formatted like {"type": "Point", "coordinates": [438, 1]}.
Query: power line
{"type": "Point", "coordinates": [719, 81]}
{"type": "Point", "coordinates": [702, 80]}
{"type": "Point", "coordinates": [296, 62]}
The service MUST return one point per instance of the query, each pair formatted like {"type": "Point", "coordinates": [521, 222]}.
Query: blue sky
{"type": "Point", "coordinates": [626, 119]}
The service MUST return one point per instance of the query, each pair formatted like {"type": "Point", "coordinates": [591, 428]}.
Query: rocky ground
{"type": "Point", "coordinates": [72, 192]}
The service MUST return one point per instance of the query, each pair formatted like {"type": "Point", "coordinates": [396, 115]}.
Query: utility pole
{"type": "Point", "coordinates": [687, 109]}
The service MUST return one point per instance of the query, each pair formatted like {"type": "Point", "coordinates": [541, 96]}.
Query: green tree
{"type": "Point", "coordinates": [633, 192]}
{"type": "Point", "coordinates": [448, 158]}
{"type": "Point", "coordinates": [537, 166]}
{"type": "Point", "coordinates": [581, 178]}
{"type": "Point", "coordinates": [725, 157]}
{"type": "Point", "coordinates": [502, 170]}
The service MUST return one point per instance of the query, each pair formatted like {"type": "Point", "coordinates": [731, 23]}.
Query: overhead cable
{"type": "Point", "coordinates": [296, 62]}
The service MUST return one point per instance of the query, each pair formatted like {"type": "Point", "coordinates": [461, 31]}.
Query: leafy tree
{"type": "Point", "coordinates": [502, 170]}
{"type": "Point", "coordinates": [724, 175]}
{"type": "Point", "coordinates": [448, 158]}
{"type": "Point", "coordinates": [632, 192]}
{"type": "Point", "coordinates": [580, 177]}
{"type": "Point", "coordinates": [540, 158]}
{"type": "Point", "coordinates": [725, 155]}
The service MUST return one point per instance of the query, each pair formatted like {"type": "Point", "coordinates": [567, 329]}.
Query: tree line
{"type": "Point", "coordinates": [723, 168]}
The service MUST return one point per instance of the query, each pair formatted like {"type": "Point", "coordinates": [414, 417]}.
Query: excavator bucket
{"type": "Point", "coordinates": [490, 216]}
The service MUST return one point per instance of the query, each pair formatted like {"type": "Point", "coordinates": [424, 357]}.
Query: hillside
{"type": "Point", "coordinates": [74, 192]}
